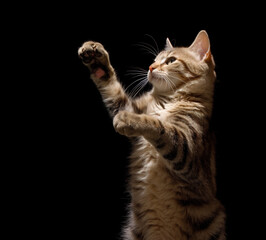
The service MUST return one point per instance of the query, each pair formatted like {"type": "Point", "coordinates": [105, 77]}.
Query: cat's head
{"type": "Point", "coordinates": [176, 68]}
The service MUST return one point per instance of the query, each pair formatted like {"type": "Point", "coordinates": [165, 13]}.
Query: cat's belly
{"type": "Point", "coordinates": [154, 206]}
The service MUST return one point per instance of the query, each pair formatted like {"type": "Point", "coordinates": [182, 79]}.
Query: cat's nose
{"type": "Point", "coordinates": [153, 66]}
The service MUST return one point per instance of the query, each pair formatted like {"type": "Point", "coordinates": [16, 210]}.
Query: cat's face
{"type": "Point", "coordinates": [174, 67]}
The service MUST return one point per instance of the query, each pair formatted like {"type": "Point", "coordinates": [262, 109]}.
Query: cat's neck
{"type": "Point", "coordinates": [200, 92]}
{"type": "Point", "coordinates": [201, 87]}
{"type": "Point", "coordinates": [184, 93]}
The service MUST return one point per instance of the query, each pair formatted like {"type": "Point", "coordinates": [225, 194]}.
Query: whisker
{"type": "Point", "coordinates": [157, 48]}
{"type": "Point", "coordinates": [169, 82]}
{"type": "Point", "coordinates": [140, 88]}
{"type": "Point", "coordinates": [168, 77]}
{"type": "Point", "coordinates": [175, 77]}
{"type": "Point", "coordinates": [134, 75]}
{"type": "Point", "coordinates": [134, 92]}
{"type": "Point", "coordinates": [140, 79]}
{"type": "Point", "coordinates": [137, 70]}
{"type": "Point", "coordinates": [150, 49]}
{"type": "Point", "coordinates": [140, 75]}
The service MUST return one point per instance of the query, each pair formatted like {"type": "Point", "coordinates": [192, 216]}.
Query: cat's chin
{"type": "Point", "coordinates": [159, 86]}
{"type": "Point", "coordinates": [158, 83]}
{"type": "Point", "coordinates": [153, 78]}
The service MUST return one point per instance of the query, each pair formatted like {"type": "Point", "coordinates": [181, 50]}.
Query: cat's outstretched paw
{"type": "Point", "coordinates": [96, 58]}
{"type": "Point", "coordinates": [125, 124]}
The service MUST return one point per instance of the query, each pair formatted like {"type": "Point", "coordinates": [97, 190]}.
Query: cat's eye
{"type": "Point", "coordinates": [170, 60]}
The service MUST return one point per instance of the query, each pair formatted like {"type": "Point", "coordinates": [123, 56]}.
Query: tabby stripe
{"type": "Point", "coordinates": [183, 232]}
{"type": "Point", "coordinates": [162, 129]}
{"type": "Point", "coordinates": [194, 75]}
{"type": "Point", "coordinates": [141, 214]}
{"type": "Point", "coordinates": [171, 155]}
{"type": "Point", "coordinates": [137, 189]}
{"type": "Point", "coordinates": [192, 190]}
{"type": "Point", "coordinates": [136, 109]}
{"type": "Point", "coordinates": [114, 105]}
{"type": "Point", "coordinates": [160, 143]}
{"type": "Point", "coordinates": [204, 223]}
{"type": "Point", "coordinates": [192, 170]}
{"type": "Point", "coordinates": [137, 182]}
{"type": "Point", "coordinates": [189, 124]}
{"type": "Point", "coordinates": [181, 164]}
{"type": "Point", "coordinates": [138, 235]}
{"type": "Point", "coordinates": [218, 234]}
{"type": "Point", "coordinates": [196, 202]}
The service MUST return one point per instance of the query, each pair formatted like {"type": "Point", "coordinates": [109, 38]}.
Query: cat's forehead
{"type": "Point", "coordinates": [164, 54]}
{"type": "Point", "coordinates": [182, 53]}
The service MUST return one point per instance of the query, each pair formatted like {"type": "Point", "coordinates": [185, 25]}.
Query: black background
{"type": "Point", "coordinates": [72, 181]}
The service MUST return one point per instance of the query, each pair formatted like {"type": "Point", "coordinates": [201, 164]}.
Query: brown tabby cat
{"type": "Point", "coordinates": [172, 170]}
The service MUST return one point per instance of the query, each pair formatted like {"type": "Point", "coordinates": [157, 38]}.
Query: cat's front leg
{"type": "Point", "coordinates": [96, 58]}
{"type": "Point", "coordinates": [126, 124]}
{"type": "Point", "coordinates": [132, 124]}
{"type": "Point", "coordinates": [171, 143]}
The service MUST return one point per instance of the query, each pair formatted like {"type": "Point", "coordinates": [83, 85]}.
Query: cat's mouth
{"type": "Point", "coordinates": [160, 82]}
{"type": "Point", "coordinates": [153, 76]}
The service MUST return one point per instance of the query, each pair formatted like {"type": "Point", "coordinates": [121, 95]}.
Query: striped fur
{"type": "Point", "coordinates": [172, 170]}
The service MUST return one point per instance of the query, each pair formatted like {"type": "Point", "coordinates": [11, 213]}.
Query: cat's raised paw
{"type": "Point", "coordinates": [90, 51]}
{"type": "Point", "coordinates": [95, 57]}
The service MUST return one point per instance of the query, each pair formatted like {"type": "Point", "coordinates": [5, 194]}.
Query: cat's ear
{"type": "Point", "coordinates": [201, 46]}
{"type": "Point", "coordinates": [168, 44]}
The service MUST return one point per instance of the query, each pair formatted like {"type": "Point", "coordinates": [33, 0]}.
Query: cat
{"type": "Point", "coordinates": [172, 166]}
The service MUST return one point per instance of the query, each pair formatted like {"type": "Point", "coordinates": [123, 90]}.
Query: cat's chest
{"type": "Point", "coordinates": [152, 187]}
{"type": "Point", "coordinates": [148, 171]}
{"type": "Point", "coordinates": [160, 111]}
